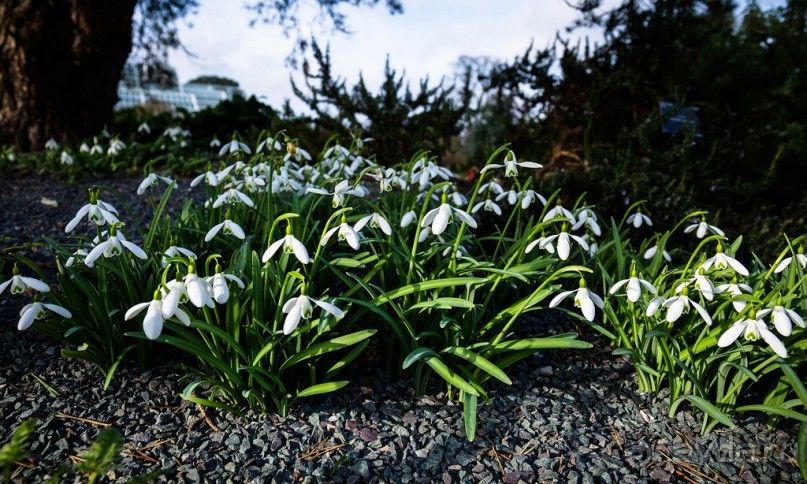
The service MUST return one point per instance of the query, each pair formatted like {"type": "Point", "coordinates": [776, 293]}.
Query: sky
{"type": "Point", "coordinates": [426, 40]}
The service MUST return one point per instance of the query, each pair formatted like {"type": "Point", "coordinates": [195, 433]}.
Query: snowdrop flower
{"type": "Point", "coordinates": [586, 217]}
{"type": "Point", "coordinates": [702, 284]}
{"type": "Point", "coordinates": [529, 196]}
{"type": "Point", "coordinates": [542, 243]}
{"type": "Point", "coordinates": [511, 165]}
{"type": "Point", "coordinates": [234, 146]}
{"type": "Point", "coordinates": [175, 251]}
{"type": "Point", "coordinates": [634, 286]}
{"type": "Point", "coordinates": [700, 229]}
{"type": "Point", "coordinates": [115, 147]}
{"type": "Point", "coordinates": [84, 148]}
{"type": "Point", "coordinates": [511, 195]}
{"type": "Point", "coordinates": [66, 159]}
{"type": "Point", "coordinates": [678, 305]}
{"type": "Point", "coordinates": [230, 228]}
{"type": "Point", "coordinates": [408, 218]}
{"type": "Point", "coordinates": [113, 247]}
{"type": "Point", "coordinates": [215, 143]}
{"type": "Point", "coordinates": [51, 145]}
{"type": "Point", "coordinates": [752, 328]}
{"type": "Point", "coordinates": [96, 149]}
{"type": "Point", "coordinates": [21, 284]}
{"type": "Point", "coordinates": [340, 191]}
{"type": "Point", "coordinates": [291, 245]}
{"type": "Point", "coordinates": [583, 299]}
{"type": "Point", "coordinates": [563, 244]}
{"type": "Point", "coordinates": [491, 187]}
{"type": "Point", "coordinates": [734, 289]}
{"type": "Point", "coordinates": [36, 310]}
{"type": "Point", "coordinates": [151, 180]}
{"type": "Point", "coordinates": [295, 152]}
{"type": "Point", "coordinates": [144, 128]}
{"type": "Point", "coordinates": [267, 143]}
{"type": "Point", "coordinates": [457, 199]}
{"type": "Point", "coordinates": [233, 195]}
{"type": "Point", "coordinates": [559, 212]}
{"type": "Point", "coordinates": [199, 289]}
{"type": "Point", "coordinates": [376, 221]}
{"type": "Point", "coordinates": [783, 318]}
{"type": "Point", "coordinates": [211, 178]}
{"type": "Point", "coordinates": [72, 259]}
{"type": "Point", "coordinates": [158, 311]}
{"type": "Point", "coordinates": [300, 307]}
{"type": "Point", "coordinates": [345, 233]}
{"type": "Point", "coordinates": [653, 306]}
{"type": "Point", "coordinates": [638, 219]}
{"type": "Point", "coordinates": [440, 217]}
{"type": "Point", "coordinates": [97, 211]}
{"type": "Point", "coordinates": [721, 261]}
{"type": "Point", "coordinates": [651, 252]}
{"type": "Point", "coordinates": [800, 258]}
{"type": "Point", "coordinates": [386, 178]}
{"type": "Point", "coordinates": [218, 284]}
{"type": "Point", "coordinates": [489, 205]}
{"type": "Point", "coordinates": [593, 247]}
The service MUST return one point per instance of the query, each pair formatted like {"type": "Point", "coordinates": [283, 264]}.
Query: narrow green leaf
{"type": "Point", "coordinates": [416, 355]}
{"type": "Point", "coordinates": [480, 362]}
{"type": "Point", "coordinates": [802, 449]}
{"type": "Point", "coordinates": [321, 388]}
{"type": "Point", "coordinates": [441, 369]}
{"type": "Point", "coordinates": [18, 447]}
{"type": "Point", "coordinates": [540, 344]}
{"type": "Point", "coordinates": [469, 403]}
{"type": "Point", "coordinates": [327, 347]}
{"type": "Point", "coordinates": [794, 380]}
{"type": "Point", "coordinates": [443, 303]}
{"type": "Point", "coordinates": [782, 412]}
{"type": "Point", "coordinates": [706, 406]}
{"type": "Point", "coordinates": [429, 285]}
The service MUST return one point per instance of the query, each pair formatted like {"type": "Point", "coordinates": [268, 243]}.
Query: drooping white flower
{"type": "Point", "coordinates": [230, 228]}
{"type": "Point", "coordinates": [340, 191]}
{"type": "Point", "coordinates": [51, 145]}
{"type": "Point", "coordinates": [212, 178]}
{"type": "Point", "coordinates": [144, 128]}
{"type": "Point", "coordinates": [489, 206]}
{"type": "Point", "coordinates": [72, 259]}
{"type": "Point", "coordinates": [542, 243]}
{"type": "Point", "coordinates": [234, 146]}
{"type": "Point", "coordinates": [511, 165]}
{"type": "Point", "coordinates": [231, 196]}
{"type": "Point", "coordinates": [376, 220]}
{"type": "Point", "coordinates": [115, 147]}
{"type": "Point", "coordinates": [721, 261]}
{"type": "Point", "coordinates": [113, 247]}
{"type": "Point", "coordinates": [199, 290]}
{"type": "Point", "coordinates": [752, 329]}
{"type": "Point", "coordinates": [634, 286]}
{"type": "Point", "coordinates": [491, 187]}
{"type": "Point", "coordinates": [84, 148]}
{"type": "Point", "coordinates": [651, 252]}
{"type": "Point", "coordinates": [157, 313]}
{"type": "Point", "coordinates": [529, 196]}
{"type": "Point", "coordinates": [267, 143]}
{"type": "Point", "coordinates": [511, 195]}
{"type": "Point", "coordinates": [291, 245]}
{"type": "Point", "coordinates": [800, 258]}
{"type": "Point", "coordinates": [66, 159]}
{"type": "Point", "coordinates": [215, 143]}
{"type": "Point", "coordinates": [678, 305]}
{"type": "Point", "coordinates": [386, 178]}
{"type": "Point", "coordinates": [21, 284]}
{"type": "Point", "coordinates": [218, 284]}
{"type": "Point", "coordinates": [301, 308]}
{"type": "Point", "coordinates": [734, 289]}
{"type": "Point", "coordinates": [408, 218]}
{"type": "Point", "coordinates": [653, 306]}
{"type": "Point", "coordinates": [586, 217]}
{"type": "Point", "coordinates": [36, 310]}
{"type": "Point", "coordinates": [96, 149]}
{"type": "Point", "coordinates": [782, 318]}
{"type": "Point", "coordinates": [345, 232]}
{"type": "Point", "coordinates": [151, 180]}
{"type": "Point", "coordinates": [559, 212]}
{"type": "Point", "coordinates": [294, 152]}
{"type": "Point", "coordinates": [97, 211]}
{"type": "Point", "coordinates": [583, 299]}
{"type": "Point", "coordinates": [439, 218]}
{"type": "Point", "coordinates": [563, 244]}
{"type": "Point", "coordinates": [700, 229]}
{"type": "Point", "coordinates": [702, 284]}
{"type": "Point", "coordinates": [638, 219]}
{"type": "Point", "coordinates": [173, 251]}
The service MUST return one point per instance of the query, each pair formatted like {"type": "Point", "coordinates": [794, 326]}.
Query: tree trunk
{"type": "Point", "coordinates": [60, 62]}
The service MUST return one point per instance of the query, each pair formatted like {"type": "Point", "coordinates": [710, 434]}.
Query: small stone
{"type": "Point", "coordinates": [361, 468]}
{"type": "Point", "coordinates": [277, 442]}
{"type": "Point", "coordinates": [368, 434]}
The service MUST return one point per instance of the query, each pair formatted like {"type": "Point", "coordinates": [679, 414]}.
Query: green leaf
{"type": "Point", "coordinates": [782, 412]}
{"type": "Point", "coordinates": [794, 380]}
{"type": "Point", "coordinates": [416, 355]}
{"type": "Point", "coordinates": [321, 388]}
{"type": "Point", "coordinates": [441, 369]}
{"type": "Point", "coordinates": [18, 448]}
{"type": "Point", "coordinates": [327, 347]}
{"type": "Point", "coordinates": [706, 406]}
{"type": "Point", "coordinates": [480, 362]}
{"type": "Point", "coordinates": [347, 262]}
{"type": "Point", "coordinates": [103, 455]}
{"type": "Point", "coordinates": [443, 303]}
{"type": "Point", "coordinates": [540, 344]}
{"type": "Point", "coordinates": [427, 286]}
{"type": "Point", "coordinates": [469, 415]}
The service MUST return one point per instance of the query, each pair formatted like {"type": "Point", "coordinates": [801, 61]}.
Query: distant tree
{"type": "Point", "coordinates": [216, 80]}
{"type": "Point", "coordinates": [60, 60]}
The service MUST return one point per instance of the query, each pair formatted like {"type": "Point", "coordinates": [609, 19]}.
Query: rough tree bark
{"type": "Point", "coordinates": [60, 62]}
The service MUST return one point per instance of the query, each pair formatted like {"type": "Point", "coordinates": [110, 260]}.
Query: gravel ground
{"type": "Point", "coordinates": [568, 417]}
